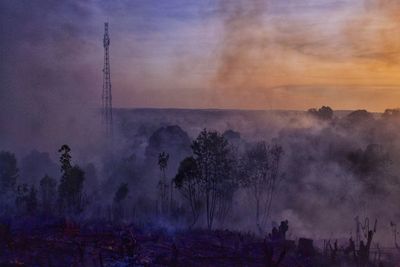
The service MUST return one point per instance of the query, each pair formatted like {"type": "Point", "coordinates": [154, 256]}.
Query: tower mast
{"type": "Point", "coordinates": [106, 96]}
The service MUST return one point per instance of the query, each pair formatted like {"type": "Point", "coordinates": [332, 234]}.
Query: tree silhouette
{"type": "Point", "coordinates": [259, 173]}
{"type": "Point", "coordinates": [65, 159]}
{"type": "Point", "coordinates": [324, 113]}
{"type": "Point", "coordinates": [119, 197]}
{"type": "Point", "coordinates": [32, 202]}
{"type": "Point", "coordinates": [211, 153]}
{"type": "Point", "coordinates": [187, 181]}
{"type": "Point", "coordinates": [26, 200]}
{"type": "Point", "coordinates": [48, 194]}
{"type": "Point", "coordinates": [391, 113]}
{"type": "Point", "coordinates": [163, 184]}
{"type": "Point", "coordinates": [22, 198]}
{"type": "Point", "coordinates": [70, 189]}
{"type": "Point", "coordinates": [8, 172]}
{"type": "Point", "coordinates": [121, 193]}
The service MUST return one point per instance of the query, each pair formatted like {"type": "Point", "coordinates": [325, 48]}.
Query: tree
{"type": "Point", "coordinates": [324, 113]}
{"type": "Point", "coordinates": [32, 202]}
{"type": "Point", "coordinates": [22, 198]}
{"type": "Point", "coordinates": [26, 199]}
{"type": "Point", "coordinates": [391, 113]}
{"type": "Point", "coordinates": [370, 165]}
{"type": "Point", "coordinates": [48, 194]}
{"type": "Point", "coordinates": [121, 193]}
{"type": "Point", "coordinates": [188, 183]}
{"type": "Point", "coordinates": [119, 197]}
{"type": "Point", "coordinates": [359, 116]}
{"type": "Point", "coordinates": [211, 153]}
{"type": "Point", "coordinates": [259, 173]}
{"type": "Point", "coordinates": [163, 184]}
{"type": "Point", "coordinates": [65, 159]}
{"type": "Point", "coordinates": [70, 189]}
{"type": "Point", "coordinates": [8, 172]}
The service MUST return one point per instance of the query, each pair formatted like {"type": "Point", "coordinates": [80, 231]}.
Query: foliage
{"type": "Point", "coordinates": [359, 116]}
{"type": "Point", "coordinates": [324, 113]}
{"type": "Point", "coordinates": [369, 166]}
{"type": "Point", "coordinates": [65, 159]}
{"type": "Point", "coordinates": [187, 181]}
{"type": "Point", "coordinates": [211, 152]}
{"type": "Point", "coordinates": [163, 160]}
{"type": "Point", "coordinates": [206, 178]}
{"type": "Point", "coordinates": [70, 189]}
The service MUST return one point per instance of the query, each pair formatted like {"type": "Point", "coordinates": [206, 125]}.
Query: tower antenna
{"type": "Point", "coordinates": [106, 96]}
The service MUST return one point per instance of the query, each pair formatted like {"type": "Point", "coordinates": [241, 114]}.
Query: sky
{"type": "Point", "coordinates": [245, 54]}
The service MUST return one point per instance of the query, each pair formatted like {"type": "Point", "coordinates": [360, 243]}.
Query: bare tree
{"type": "Point", "coordinates": [259, 173]}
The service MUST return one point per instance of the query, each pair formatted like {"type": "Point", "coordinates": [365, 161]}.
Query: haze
{"type": "Point", "coordinates": [271, 54]}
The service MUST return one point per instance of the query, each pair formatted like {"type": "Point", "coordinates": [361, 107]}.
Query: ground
{"type": "Point", "coordinates": [102, 244]}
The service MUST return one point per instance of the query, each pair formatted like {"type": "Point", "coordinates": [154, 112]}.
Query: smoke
{"type": "Point", "coordinates": [47, 92]}
{"type": "Point", "coordinates": [333, 170]}
{"type": "Point", "coordinates": [265, 54]}
{"type": "Point", "coordinates": [339, 171]}
{"type": "Point", "coordinates": [243, 41]}
{"type": "Point", "coordinates": [271, 53]}
{"type": "Point", "coordinates": [270, 47]}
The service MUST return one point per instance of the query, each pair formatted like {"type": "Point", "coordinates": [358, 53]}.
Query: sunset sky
{"type": "Point", "coordinates": [248, 54]}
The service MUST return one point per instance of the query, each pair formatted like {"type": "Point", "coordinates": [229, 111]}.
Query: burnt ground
{"type": "Point", "coordinates": [106, 245]}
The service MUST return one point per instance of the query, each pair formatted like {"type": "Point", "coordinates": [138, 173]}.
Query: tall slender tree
{"type": "Point", "coordinates": [163, 184]}
{"type": "Point", "coordinates": [70, 189]}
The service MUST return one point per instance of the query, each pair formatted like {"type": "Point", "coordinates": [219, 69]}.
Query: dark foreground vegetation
{"type": "Point", "coordinates": [161, 198]}
{"type": "Point", "coordinates": [65, 243]}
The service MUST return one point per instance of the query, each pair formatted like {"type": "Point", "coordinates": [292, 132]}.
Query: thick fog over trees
{"type": "Point", "coordinates": [242, 170]}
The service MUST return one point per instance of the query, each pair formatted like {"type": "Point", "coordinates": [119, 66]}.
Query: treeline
{"type": "Point", "coordinates": [338, 165]}
{"type": "Point", "coordinates": [204, 186]}
{"type": "Point", "coordinates": [52, 198]}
